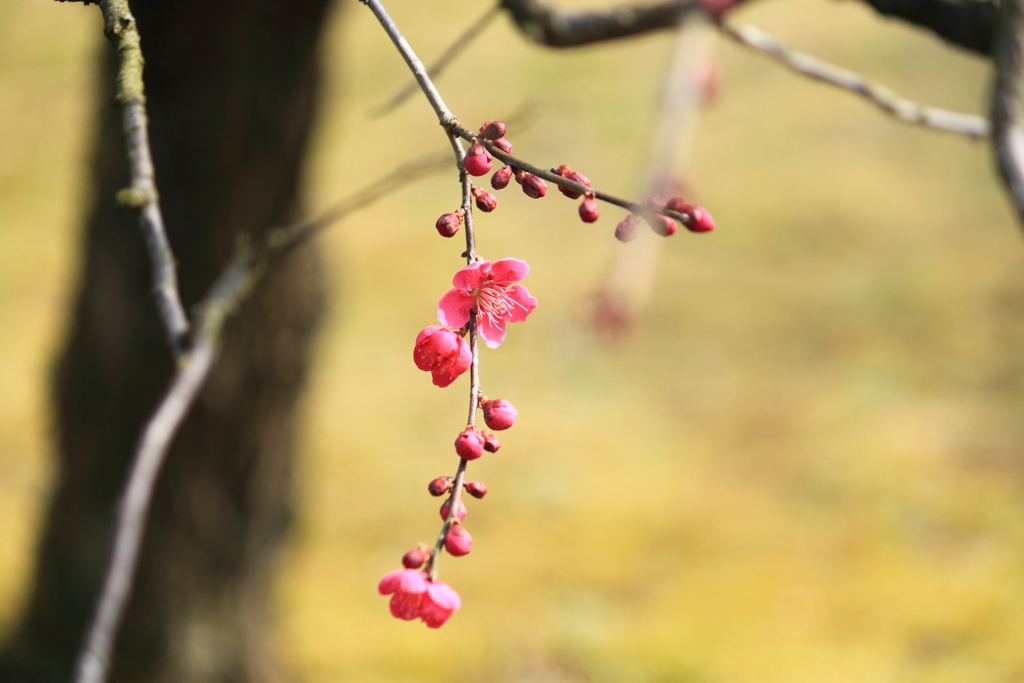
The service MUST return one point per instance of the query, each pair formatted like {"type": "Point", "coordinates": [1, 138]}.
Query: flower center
{"type": "Point", "coordinates": [493, 302]}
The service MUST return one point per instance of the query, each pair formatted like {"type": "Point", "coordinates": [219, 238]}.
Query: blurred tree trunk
{"type": "Point", "coordinates": [232, 88]}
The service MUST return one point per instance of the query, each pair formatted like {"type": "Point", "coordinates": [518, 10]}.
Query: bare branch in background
{"type": "Point", "coordinates": [225, 296]}
{"type": "Point", "coordinates": [969, 24]}
{"type": "Point", "coordinates": [546, 24]}
{"type": "Point", "coordinates": [446, 58]}
{"type": "Point", "coordinates": [1007, 119]}
{"type": "Point", "coordinates": [971, 125]}
{"type": "Point", "coordinates": [119, 26]}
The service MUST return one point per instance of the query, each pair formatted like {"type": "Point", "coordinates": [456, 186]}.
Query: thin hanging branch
{"type": "Point", "coordinates": [119, 26]}
{"type": "Point", "coordinates": [1007, 114]}
{"type": "Point", "coordinates": [446, 58]}
{"type": "Point", "coordinates": [970, 125]}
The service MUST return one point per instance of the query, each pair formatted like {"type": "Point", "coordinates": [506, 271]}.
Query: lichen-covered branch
{"type": "Point", "coordinates": [119, 26]}
{"type": "Point", "coordinates": [971, 125]}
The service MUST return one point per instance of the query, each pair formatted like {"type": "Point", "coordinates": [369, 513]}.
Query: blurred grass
{"type": "Point", "coordinates": [808, 465]}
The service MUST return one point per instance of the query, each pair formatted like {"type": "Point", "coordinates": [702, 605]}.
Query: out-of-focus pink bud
{"type": "Point", "coordinates": [478, 160]}
{"type": "Point", "coordinates": [457, 541]}
{"type": "Point", "coordinates": [662, 225]}
{"type": "Point", "coordinates": [477, 489]}
{"type": "Point", "coordinates": [469, 445]}
{"type": "Point", "coordinates": [460, 510]}
{"type": "Point", "coordinates": [625, 231]}
{"type": "Point", "coordinates": [499, 414]}
{"type": "Point", "coordinates": [440, 486]}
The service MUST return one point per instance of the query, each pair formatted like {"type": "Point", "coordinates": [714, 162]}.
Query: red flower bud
{"type": "Point", "coordinates": [440, 486]}
{"type": "Point", "coordinates": [533, 186]}
{"type": "Point", "coordinates": [499, 181]}
{"type": "Point", "coordinates": [460, 510]}
{"type": "Point", "coordinates": [449, 224]}
{"type": "Point", "coordinates": [485, 201]}
{"type": "Point", "coordinates": [569, 174]}
{"type": "Point", "coordinates": [519, 174]}
{"type": "Point", "coordinates": [699, 219]}
{"type": "Point", "coordinates": [476, 489]}
{"type": "Point", "coordinates": [499, 414]}
{"type": "Point", "coordinates": [491, 443]}
{"type": "Point", "coordinates": [625, 231]}
{"type": "Point", "coordinates": [478, 160]}
{"type": "Point", "coordinates": [589, 211]}
{"type": "Point", "coordinates": [503, 144]}
{"type": "Point", "coordinates": [457, 541]}
{"type": "Point", "coordinates": [492, 130]}
{"type": "Point", "coordinates": [469, 445]}
{"type": "Point", "coordinates": [414, 559]}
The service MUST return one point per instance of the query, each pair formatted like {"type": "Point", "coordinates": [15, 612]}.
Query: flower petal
{"type": "Point", "coordinates": [406, 605]}
{"type": "Point", "coordinates": [525, 304]}
{"type": "Point", "coordinates": [508, 271]}
{"type": "Point", "coordinates": [470, 277]}
{"type": "Point", "coordinates": [453, 308]}
{"type": "Point", "coordinates": [492, 332]}
{"type": "Point", "coordinates": [443, 595]}
{"type": "Point", "coordinates": [433, 345]}
{"type": "Point", "coordinates": [453, 366]}
{"type": "Point", "coordinates": [390, 583]}
{"type": "Point", "coordinates": [412, 581]}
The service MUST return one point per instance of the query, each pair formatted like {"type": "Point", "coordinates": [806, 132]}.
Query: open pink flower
{"type": "Point", "coordinates": [438, 603]}
{"type": "Point", "coordinates": [491, 290]}
{"type": "Point", "coordinates": [442, 353]}
{"type": "Point", "coordinates": [407, 588]}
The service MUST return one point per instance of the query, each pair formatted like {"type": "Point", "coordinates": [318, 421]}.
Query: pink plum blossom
{"type": "Point", "coordinates": [492, 291]}
{"type": "Point", "coordinates": [407, 588]}
{"type": "Point", "coordinates": [439, 601]}
{"type": "Point", "coordinates": [442, 353]}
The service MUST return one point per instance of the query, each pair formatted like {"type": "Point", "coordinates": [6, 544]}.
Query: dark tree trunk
{"type": "Point", "coordinates": [231, 88]}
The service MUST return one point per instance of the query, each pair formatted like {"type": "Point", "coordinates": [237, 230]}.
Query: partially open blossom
{"type": "Point", "coordinates": [499, 414]}
{"type": "Point", "coordinates": [477, 489]}
{"type": "Point", "coordinates": [415, 558]}
{"type": "Point", "coordinates": [625, 231]}
{"type": "Point", "coordinates": [491, 443]}
{"type": "Point", "coordinates": [469, 445]}
{"type": "Point", "coordinates": [439, 601]}
{"type": "Point", "coordinates": [492, 130]}
{"type": "Point", "coordinates": [442, 353]}
{"type": "Point", "coordinates": [440, 486]}
{"type": "Point", "coordinates": [490, 289]}
{"type": "Point", "coordinates": [406, 588]}
{"type": "Point", "coordinates": [499, 181]}
{"type": "Point", "coordinates": [478, 160]}
{"type": "Point", "coordinates": [460, 510]}
{"type": "Point", "coordinates": [449, 224]}
{"type": "Point", "coordinates": [457, 541]}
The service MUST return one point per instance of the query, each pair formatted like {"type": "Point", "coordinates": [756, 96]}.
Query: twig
{"type": "Point", "coordinates": [453, 51]}
{"type": "Point", "coordinates": [1008, 134]}
{"type": "Point", "coordinates": [231, 288]}
{"type": "Point", "coordinates": [550, 26]}
{"type": "Point", "coordinates": [971, 125]}
{"type": "Point", "coordinates": [119, 26]}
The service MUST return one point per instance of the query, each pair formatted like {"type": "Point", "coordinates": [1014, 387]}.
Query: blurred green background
{"type": "Point", "coordinates": [807, 465]}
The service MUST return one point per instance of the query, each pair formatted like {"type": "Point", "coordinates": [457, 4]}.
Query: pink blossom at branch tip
{"type": "Point", "coordinates": [469, 444]}
{"type": "Point", "coordinates": [439, 601]}
{"type": "Point", "coordinates": [492, 291]}
{"type": "Point", "coordinates": [460, 510]}
{"type": "Point", "coordinates": [443, 353]}
{"type": "Point", "coordinates": [499, 414]}
{"type": "Point", "coordinates": [457, 541]}
{"type": "Point", "coordinates": [407, 588]}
